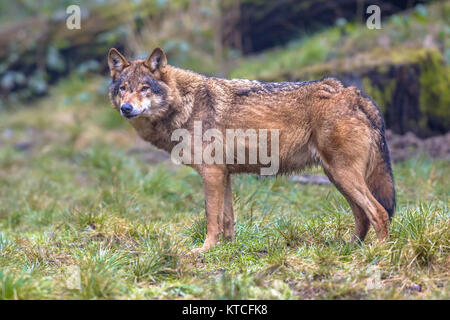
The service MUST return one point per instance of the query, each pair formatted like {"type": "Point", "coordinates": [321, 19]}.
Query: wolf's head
{"type": "Point", "coordinates": [138, 88]}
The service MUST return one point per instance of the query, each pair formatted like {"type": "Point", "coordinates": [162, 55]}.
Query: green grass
{"type": "Point", "coordinates": [81, 217]}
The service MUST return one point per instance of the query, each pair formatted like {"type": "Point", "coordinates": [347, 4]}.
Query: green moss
{"type": "Point", "coordinates": [434, 88]}
{"type": "Point", "coordinates": [382, 96]}
{"type": "Point", "coordinates": [434, 81]}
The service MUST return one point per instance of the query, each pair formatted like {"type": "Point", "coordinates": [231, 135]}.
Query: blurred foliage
{"type": "Point", "coordinates": [195, 35]}
{"type": "Point", "coordinates": [47, 50]}
{"type": "Point", "coordinates": [19, 9]}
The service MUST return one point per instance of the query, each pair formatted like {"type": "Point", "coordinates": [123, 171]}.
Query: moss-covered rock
{"type": "Point", "coordinates": [435, 91]}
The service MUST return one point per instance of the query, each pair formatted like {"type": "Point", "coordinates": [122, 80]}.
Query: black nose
{"type": "Point", "coordinates": [126, 108]}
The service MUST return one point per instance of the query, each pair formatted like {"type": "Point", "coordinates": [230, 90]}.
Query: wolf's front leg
{"type": "Point", "coordinates": [214, 180]}
{"type": "Point", "coordinates": [229, 219]}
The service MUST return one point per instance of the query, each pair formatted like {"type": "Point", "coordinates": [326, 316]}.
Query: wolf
{"type": "Point", "coordinates": [320, 122]}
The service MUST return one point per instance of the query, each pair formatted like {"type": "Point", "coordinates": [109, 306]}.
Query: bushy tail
{"type": "Point", "coordinates": [380, 180]}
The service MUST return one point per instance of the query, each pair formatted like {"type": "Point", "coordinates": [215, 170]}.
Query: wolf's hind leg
{"type": "Point", "coordinates": [362, 222]}
{"type": "Point", "coordinates": [353, 186]}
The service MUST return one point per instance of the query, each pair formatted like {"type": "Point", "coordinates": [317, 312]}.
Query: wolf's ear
{"type": "Point", "coordinates": [156, 60]}
{"type": "Point", "coordinates": [116, 62]}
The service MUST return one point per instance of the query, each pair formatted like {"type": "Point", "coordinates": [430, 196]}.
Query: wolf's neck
{"type": "Point", "coordinates": [185, 84]}
{"type": "Point", "coordinates": [185, 81]}
{"type": "Point", "coordinates": [157, 133]}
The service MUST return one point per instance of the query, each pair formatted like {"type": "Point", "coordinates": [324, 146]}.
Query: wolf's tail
{"type": "Point", "coordinates": [379, 179]}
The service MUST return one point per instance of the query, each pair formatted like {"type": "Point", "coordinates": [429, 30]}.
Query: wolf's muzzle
{"type": "Point", "coordinates": [128, 111]}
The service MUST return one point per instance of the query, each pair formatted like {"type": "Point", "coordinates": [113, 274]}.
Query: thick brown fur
{"type": "Point", "coordinates": [319, 122]}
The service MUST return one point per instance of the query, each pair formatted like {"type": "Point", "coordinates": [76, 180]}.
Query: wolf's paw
{"type": "Point", "coordinates": [228, 234]}
{"type": "Point", "coordinates": [198, 251]}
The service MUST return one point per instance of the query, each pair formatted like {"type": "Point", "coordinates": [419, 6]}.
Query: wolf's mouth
{"type": "Point", "coordinates": [130, 115]}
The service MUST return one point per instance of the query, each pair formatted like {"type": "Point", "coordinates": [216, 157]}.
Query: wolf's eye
{"type": "Point", "coordinates": [145, 88]}
{"type": "Point", "coordinates": [122, 88]}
